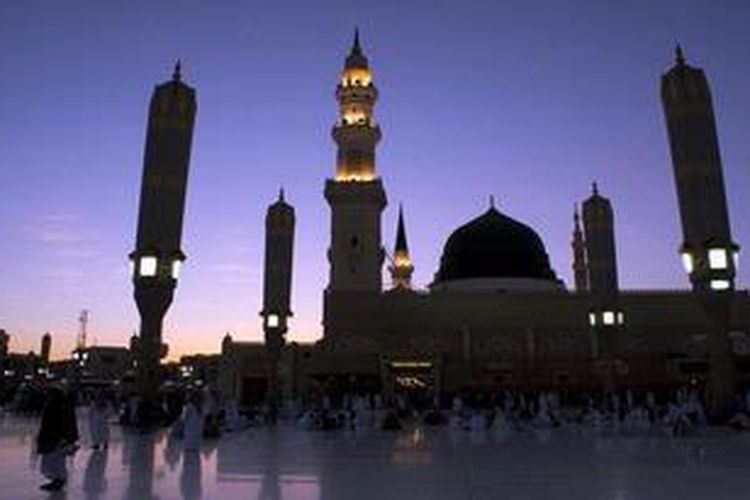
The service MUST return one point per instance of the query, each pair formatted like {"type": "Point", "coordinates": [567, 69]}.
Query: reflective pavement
{"type": "Point", "coordinates": [435, 464]}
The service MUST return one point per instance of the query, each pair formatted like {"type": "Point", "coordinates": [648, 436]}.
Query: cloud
{"type": "Point", "coordinates": [62, 233]}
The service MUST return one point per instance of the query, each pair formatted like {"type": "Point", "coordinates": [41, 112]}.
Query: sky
{"type": "Point", "coordinates": [529, 102]}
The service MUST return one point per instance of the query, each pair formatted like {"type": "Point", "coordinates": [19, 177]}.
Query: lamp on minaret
{"type": "Point", "coordinates": [401, 268]}
{"type": "Point", "coordinates": [708, 252]}
{"type": "Point", "coordinates": [579, 255]}
{"type": "Point", "coordinates": [599, 234]}
{"type": "Point", "coordinates": [356, 194]}
{"type": "Point", "coordinates": [158, 255]}
{"type": "Point", "coordinates": [277, 285]}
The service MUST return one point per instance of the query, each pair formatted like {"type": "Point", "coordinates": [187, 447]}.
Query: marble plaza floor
{"type": "Point", "coordinates": [417, 464]}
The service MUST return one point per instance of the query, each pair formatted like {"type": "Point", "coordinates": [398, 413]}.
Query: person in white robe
{"type": "Point", "coordinates": [192, 423]}
{"type": "Point", "coordinates": [100, 412]}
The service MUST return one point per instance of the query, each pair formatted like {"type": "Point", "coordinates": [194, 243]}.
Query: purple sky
{"type": "Point", "coordinates": [529, 103]}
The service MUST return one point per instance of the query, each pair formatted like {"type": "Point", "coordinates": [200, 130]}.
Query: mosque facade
{"type": "Point", "coordinates": [496, 316]}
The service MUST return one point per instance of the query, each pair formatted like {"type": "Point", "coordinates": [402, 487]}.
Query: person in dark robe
{"type": "Point", "coordinates": [58, 433]}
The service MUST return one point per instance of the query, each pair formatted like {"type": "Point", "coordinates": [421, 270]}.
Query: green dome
{"type": "Point", "coordinates": [494, 246]}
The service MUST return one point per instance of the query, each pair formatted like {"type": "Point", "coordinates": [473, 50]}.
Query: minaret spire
{"type": "Point", "coordinates": [177, 73]}
{"type": "Point", "coordinates": [356, 47]}
{"type": "Point", "coordinates": [402, 268]}
{"type": "Point", "coordinates": [679, 57]}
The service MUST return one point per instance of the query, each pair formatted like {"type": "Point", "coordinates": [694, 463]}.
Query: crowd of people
{"type": "Point", "coordinates": [197, 413]}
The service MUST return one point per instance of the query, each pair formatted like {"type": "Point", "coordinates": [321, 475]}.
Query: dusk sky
{"type": "Point", "coordinates": [529, 102]}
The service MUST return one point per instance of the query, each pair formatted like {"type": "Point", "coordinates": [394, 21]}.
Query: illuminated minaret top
{"type": "Point", "coordinates": [356, 133]}
{"type": "Point", "coordinates": [402, 268]}
{"type": "Point", "coordinates": [355, 194]}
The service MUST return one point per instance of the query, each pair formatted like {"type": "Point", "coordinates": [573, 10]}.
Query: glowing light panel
{"type": "Point", "coordinates": [720, 284]}
{"type": "Point", "coordinates": [687, 262]}
{"type": "Point", "coordinates": [717, 258]}
{"type": "Point", "coordinates": [148, 266]}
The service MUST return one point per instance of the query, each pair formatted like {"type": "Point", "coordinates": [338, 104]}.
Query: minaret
{"type": "Point", "coordinates": [599, 235]}
{"type": "Point", "coordinates": [46, 347]}
{"type": "Point", "coordinates": [158, 254]}
{"type": "Point", "coordinates": [277, 286]}
{"type": "Point", "coordinates": [355, 194]}
{"type": "Point", "coordinates": [402, 268]}
{"type": "Point", "coordinates": [277, 282]}
{"type": "Point", "coordinates": [579, 255]}
{"type": "Point", "coordinates": [707, 250]}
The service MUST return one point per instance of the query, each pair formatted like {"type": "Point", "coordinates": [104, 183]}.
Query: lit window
{"type": "Point", "coordinates": [592, 319]}
{"type": "Point", "coordinates": [736, 259]}
{"type": "Point", "coordinates": [608, 318]}
{"type": "Point", "coordinates": [620, 318]}
{"type": "Point", "coordinates": [687, 262]}
{"type": "Point", "coordinates": [176, 265]}
{"type": "Point", "coordinates": [720, 285]}
{"type": "Point", "coordinates": [148, 266]}
{"type": "Point", "coordinates": [717, 258]}
{"type": "Point", "coordinates": [273, 320]}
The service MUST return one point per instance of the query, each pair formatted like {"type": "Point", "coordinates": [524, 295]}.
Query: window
{"type": "Point", "coordinates": [717, 258]}
{"type": "Point", "coordinates": [720, 285]}
{"type": "Point", "coordinates": [273, 320]}
{"type": "Point", "coordinates": [148, 266]}
{"type": "Point", "coordinates": [592, 319]}
{"type": "Point", "coordinates": [608, 318]}
{"type": "Point", "coordinates": [687, 262]}
{"type": "Point", "coordinates": [176, 265]}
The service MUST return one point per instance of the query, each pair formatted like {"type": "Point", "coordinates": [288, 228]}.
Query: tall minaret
{"type": "Point", "coordinates": [277, 282]}
{"type": "Point", "coordinates": [277, 286]}
{"type": "Point", "coordinates": [158, 253]}
{"type": "Point", "coordinates": [708, 251]}
{"type": "Point", "coordinates": [355, 194]}
{"type": "Point", "coordinates": [599, 234]}
{"type": "Point", "coordinates": [402, 268]}
{"type": "Point", "coordinates": [707, 248]}
{"type": "Point", "coordinates": [579, 255]}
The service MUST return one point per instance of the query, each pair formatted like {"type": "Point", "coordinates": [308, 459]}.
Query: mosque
{"type": "Point", "coordinates": [496, 316]}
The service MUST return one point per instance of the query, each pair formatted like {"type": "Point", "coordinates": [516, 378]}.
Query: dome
{"type": "Point", "coordinates": [494, 246]}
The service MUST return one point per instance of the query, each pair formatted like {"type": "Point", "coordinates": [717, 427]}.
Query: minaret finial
{"type": "Point", "coordinates": [177, 74]}
{"type": "Point", "coordinates": [679, 55]}
{"type": "Point", "coordinates": [281, 194]}
{"type": "Point", "coordinates": [576, 216]}
{"type": "Point", "coordinates": [401, 245]}
{"type": "Point", "coordinates": [492, 202]}
{"type": "Point", "coordinates": [356, 48]}
{"type": "Point", "coordinates": [594, 189]}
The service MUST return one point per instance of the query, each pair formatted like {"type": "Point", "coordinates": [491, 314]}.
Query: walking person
{"type": "Point", "coordinates": [58, 433]}
{"type": "Point", "coordinates": [100, 412]}
{"type": "Point", "coordinates": [192, 422]}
